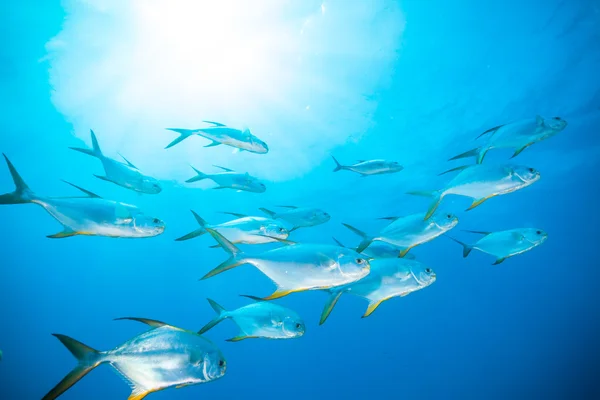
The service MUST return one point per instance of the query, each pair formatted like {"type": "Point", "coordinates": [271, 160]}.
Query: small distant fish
{"type": "Point", "coordinates": [0, 355]}
{"type": "Point", "coordinates": [222, 134]}
{"type": "Point", "coordinates": [381, 250]}
{"type": "Point", "coordinates": [389, 277]}
{"type": "Point", "coordinates": [370, 167]}
{"type": "Point", "coordinates": [125, 175]}
{"type": "Point", "coordinates": [298, 267]}
{"type": "Point", "coordinates": [90, 215]}
{"type": "Point", "coordinates": [299, 217]}
{"type": "Point", "coordinates": [231, 180]}
{"type": "Point", "coordinates": [505, 244]}
{"type": "Point", "coordinates": [259, 320]}
{"type": "Point", "coordinates": [408, 232]}
{"type": "Point", "coordinates": [161, 358]}
{"type": "Point", "coordinates": [482, 182]}
{"type": "Point", "coordinates": [245, 230]}
{"type": "Point", "coordinates": [516, 135]}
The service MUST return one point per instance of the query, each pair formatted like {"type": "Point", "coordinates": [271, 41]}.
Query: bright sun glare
{"type": "Point", "coordinates": [297, 73]}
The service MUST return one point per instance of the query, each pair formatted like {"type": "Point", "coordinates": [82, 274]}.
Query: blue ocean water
{"type": "Point", "coordinates": [527, 328]}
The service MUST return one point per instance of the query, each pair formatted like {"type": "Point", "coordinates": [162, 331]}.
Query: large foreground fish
{"type": "Point", "coordinates": [125, 175]}
{"type": "Point", "coordinates": [162, 358]}
{"type": "Point", "coordinates": [408, 232]}
{"type": "Point", "coordinates": [516, 135]}
{"type": "Point", "coordinates": [231, 180]}
{"type": "Point", "coordinates": [299, 217]}
{"type": "Point", "coordinates": [90, 215]}
{"type": "Point", "coordinates": [245, 230]}
{"type": "Point", "coordinates": [259, 320]}
{"type": "Point", "coordinates": [370, 167]}
{"type": "Point", "coordinates": [505, 244]}
{"type": "Point", "coordinates": [297, 267]}
{"type": "Point", "coordinates": [389, 277]}
{"type": "Point", "coordinates": [482, 182]}
{"type": "Point", "coordinates": [221, 134]}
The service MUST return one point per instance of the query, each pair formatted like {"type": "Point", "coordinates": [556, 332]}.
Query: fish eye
{"type": "Point", "coordinates": [531, 170]}
{"type": "Point", "coordinates": [428, 270]}
{"type": "Point", "coordinates": [221, 363]}
{"type": "Point", "coordinates": [298, 326]}
{"type": "Point", "coordinates": [156, 220]}
{"type": "Point", "coordinates": [556, 118]}
{"type": "Point", "coordinates": [281, 230]}
{"type": "Point", "coordinates": [539, 232]}
{"type": "Point", "coordinates": [449, 216]}
{"type": "Point", "coordinates": [360, 261]}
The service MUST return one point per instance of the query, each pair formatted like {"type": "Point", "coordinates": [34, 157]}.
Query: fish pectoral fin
{"type": "Point", "coordinates": [64, 234]}
{"type": "Point", "coordinates": [240, 338]}
{"type": "Point", "coordinates": [499, 261]}
{"type": "Point", "coordinates": [519, 150]}
{"type": "Point", "coordinates": [372, 307]}
{"type": "Point", "coordinates": [213, 144]}
{"type": "Point", "coordinates": [478, 202]}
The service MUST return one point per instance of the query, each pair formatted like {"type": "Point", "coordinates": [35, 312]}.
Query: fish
{"type": "Point", "coordinates": [244, 230]}
{"type": "Point", "coordinates": [231, 180]}
{"type": "Point", "coordinates": [505, 244]}
{"type": "Point", "coordinates": [125, 174]}
{"type": "Point", "coordinates": [259, 320]}
{"type": "Point", "coordinates": [89, 215]}
{"type": "Point", "coordinates": [380, 250]}
{"type": "Point", "coordinates": [370, 167]}
{"type": "Point", "coordinates": [408, 232]}
{"type": "Point", "coordinates": [389, 277]}
{"type": "Point", "coordinates": [0, 355]}
{"type": "Point", "coordinates": [517, 135]}
{"type": "Point", "coordinates": [161, 358]}
{"type": "Point", "coordinates": [482, 182]}
{"type": "Point", "coordinates": [297, 267]}
{"type": "Point", "coordinates": [219, 134]}
{"type": "Point", "coordinates": [299, 217]}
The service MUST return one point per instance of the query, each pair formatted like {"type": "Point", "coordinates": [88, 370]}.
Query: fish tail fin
{"type": "Point", "coordinates": [466, 248]}
{"type": "Point", "coordinates": [236, 256]}
{"type": "Point", "coordinates": [221, 315]}
{"type": "Point", "coordinates": [437, 196]}
{"type": "Point", "coordinates": [331, 302]}
{"type": "Point", "coordinates": [200, 176]}
{"type": "Point", "coordinates": [471, 153]}
{"type": "Point", "coordinates": [338, 166]}
{"type": "Point", "coordinates": [268, 212]}
{"type": "Point", "coordinates": [183, 134]}
{"type": "Point", "coordinates": [22, 193]}
{"type": "Point", "coordinates": [366, 239]}
{"type": "Point", "coordinates": [88, 359]}
{"type": "Point", "coordinates": [94, 151]}
{"type": "Point", "coordinates": [197, 232]}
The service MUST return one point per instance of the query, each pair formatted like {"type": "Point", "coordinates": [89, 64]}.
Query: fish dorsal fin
{"type": "Point", "coordinates": [223, 168]}
{"type": "Point", "coordinates": [390, 218]}
{"type": "Point", "coordinates": [462, 168]}
{"type": "Point", "coordinates": [492, 130]}
{"type": "Point", "coordinates": [359, 161]}
{"type": "Point", "coordinates": [539, 120]}
{"type": "Point", "coordinates": [214, 123]}
{"type": "Point", "coordinates": [478, 232]}
{"type": "Point", "coordinates": [90, 194]}
{"type": "Point", "coordinates": [291, 207]}
{"type": "Point", "coordinates": [338, 242]}
{"type": "Point", "coordinates": [128, 162]}
{"type": "Point", "coordinates": [151, 322]}
{"type": "Point", "coordinates": [234, 214]}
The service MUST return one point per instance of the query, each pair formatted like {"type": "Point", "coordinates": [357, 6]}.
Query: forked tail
{"type": "Point", "coordinates": [338, 166]}
{"type": "Point", "coordinates": [22, 193]}
{"type": "Point", "coordinates": [221, 315]}
{"type": "Point", "coordinates": [479, 154]}
{"type": "Point", "coordinates": [95, 151]}
{"type": "Point", "coordinates": [437, 196]}
{"type": "Point", "coordinates": [198, 232]}
{"type": "Point", "coordinates": [236, 256]}
{"type": "Point", "coordinates": [366, 239]}
{"type": "Point", "coordinates": [183, 134]}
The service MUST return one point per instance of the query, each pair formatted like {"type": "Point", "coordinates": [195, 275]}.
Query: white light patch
{"type": "Point", "coordinates": [130, 69]}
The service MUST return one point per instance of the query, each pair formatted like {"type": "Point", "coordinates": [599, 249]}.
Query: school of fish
{"type": "Point", "coordinates": [380, 268]}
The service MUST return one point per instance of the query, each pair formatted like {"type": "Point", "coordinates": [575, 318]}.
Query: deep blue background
{"type": "Point", "coordinates": [528, 328]}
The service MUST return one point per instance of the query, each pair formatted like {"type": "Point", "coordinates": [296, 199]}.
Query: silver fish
{"type": "Point", "coordinates": [90, 215]}
{"type": "Point", "coordinates": [380, 250]}
{"type": "Point", "coordinates": [298, 267]}
{"type": "Point", "coordinates": [299, 217]}
{"type": "Point", "coordinates": [408, 232]}
{"type": "Point", "coordinates": [370, 167]}
{"type": "Point", "coordinates": [259, 320]}
{"type": "Point", "coordinates": [231, 180]}
{"type": "Point", "coordinates": [125, 175]}
{"type": "Point", "coordinates": [222, 134]}
{"type": "Point", "coordinates": [516, 135]}
{"type": "Point", "coordinates": [161, 358]}
{"type": "Point", "coordinates": [245, 230]}
{"type": "Point", "coordinates": [505, 244]}
{"type": "Point", "coordinates": [389, 277]}
{"type": "Point", "coordinates": [482, 182]}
